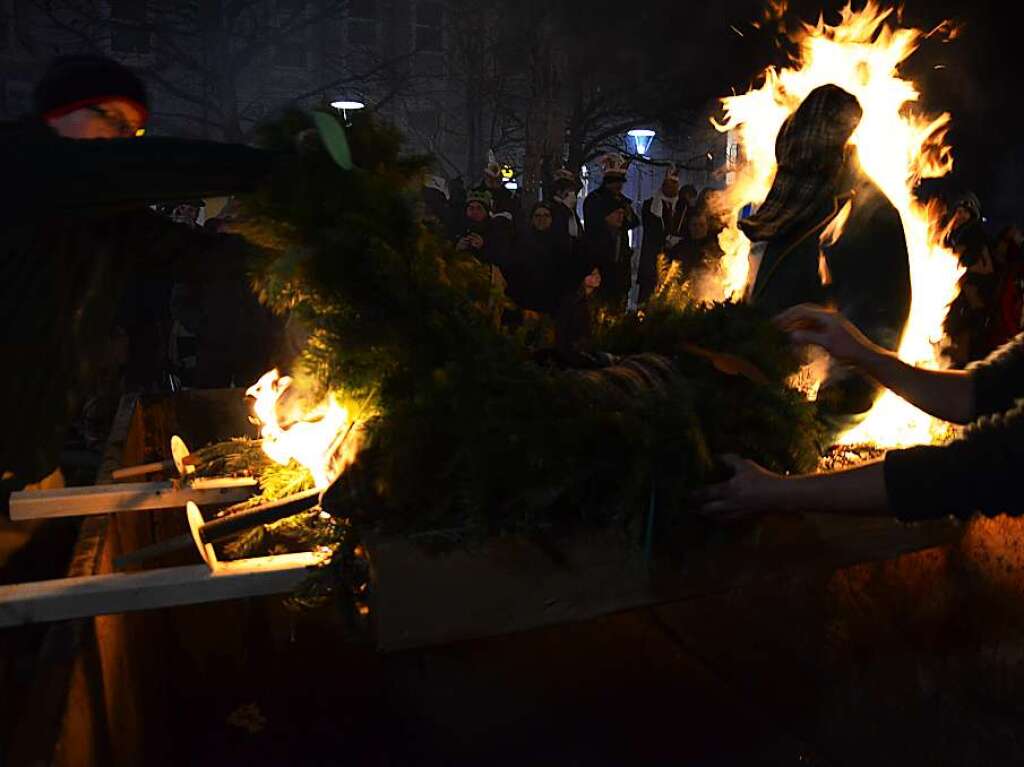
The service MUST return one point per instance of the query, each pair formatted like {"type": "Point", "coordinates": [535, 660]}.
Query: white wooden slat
{"type": "Point", "coordinates": [136, 496]}
{"type": "Point", "coordinates": [61, 599]}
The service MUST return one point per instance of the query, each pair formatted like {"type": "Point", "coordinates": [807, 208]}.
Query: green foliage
{"type": "Point", "coordinates": [470, 433]}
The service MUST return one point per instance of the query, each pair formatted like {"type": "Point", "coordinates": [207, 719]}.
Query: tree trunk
{"type": "Point", "coordinates": [546, 113]}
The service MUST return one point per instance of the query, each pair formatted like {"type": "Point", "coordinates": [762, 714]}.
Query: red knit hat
{"type": "Point", "coordinates": [76, 82]}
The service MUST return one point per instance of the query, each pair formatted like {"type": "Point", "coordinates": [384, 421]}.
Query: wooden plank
{"type": "Point", "coordinates": [65, 598]}
{"type": "Point", "coordinates": [422, 598]}
{"type": "Point", "coordinates": [136, 496]}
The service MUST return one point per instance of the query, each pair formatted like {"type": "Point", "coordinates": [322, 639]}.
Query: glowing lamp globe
{"type": "Point", "coordinates": [642, 140]}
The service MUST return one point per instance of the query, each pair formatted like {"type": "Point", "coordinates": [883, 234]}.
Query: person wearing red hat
{"type": "Point", "coordinates": [76, 225]}
{"type": "Point", "coordinates": [91, 97]}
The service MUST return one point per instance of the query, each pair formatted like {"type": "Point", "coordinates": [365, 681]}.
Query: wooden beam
{"type": "Point", "coordinates": [105, 499]}
{"type": "Point", "coordinates": [45, 601]}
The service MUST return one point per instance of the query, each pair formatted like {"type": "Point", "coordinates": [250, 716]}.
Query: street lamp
{"type": "Point", "coordinates": [347, 106]}
{"type": "Point", "coordinates": [642, 140]}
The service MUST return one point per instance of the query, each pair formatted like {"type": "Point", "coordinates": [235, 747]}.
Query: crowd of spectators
{"type": "Point", "coordinates": [550, 260]}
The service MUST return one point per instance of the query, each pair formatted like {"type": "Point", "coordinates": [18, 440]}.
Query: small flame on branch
{"type": "Point", "coordinates": [323, 438]}
{"type": "Point", "coordinates": [896, 146]}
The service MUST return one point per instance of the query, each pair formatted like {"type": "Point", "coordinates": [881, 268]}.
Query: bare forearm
{"type": "Point", "coordinates": [857, 492]}
{"type": "Point", "coordinates": [945, 394]}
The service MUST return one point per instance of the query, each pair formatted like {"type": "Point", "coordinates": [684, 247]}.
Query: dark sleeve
{"type": "Point", "coordinates": [873, 244]}
{"type": "Point", "coordinates": [498, 241]}
{"type": "Point", "coordinates": [999, 379]}
{"type": "Point", "coordinates": [184, 253]}
{"type": "Point", "coordinates": [110, 173]}
{"type": "Point", "coordinates": [632, 219]}
{"type": "Point", "coordinates": [980, 472]}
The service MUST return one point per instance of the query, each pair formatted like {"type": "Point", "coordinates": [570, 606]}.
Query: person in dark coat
{"type": "Point", "coordinates": [78, 227]}
{"type": "Point", "coordinates": [664, 219]}
{"type": "Point", "coordinates": [968, 321]}
{"type": "Point", "coordinates": [566, 193]}
{"type": "Point", "coordinates": [610, 194]}
{"type": "Point", "coordinates": [1007, 311]}
{"type": "Point", "coordinates": [607, 249]}
{"type": "Point", "coordinates": [488, 236]}
{"type": "Point", "coordinates": [608, 216]}
{"type": "Point", "coordinates": [864, 271]}
{"type": "Point", "coordinates": [502, 199]}
{"type": "Point", "coordinates": [546, 265]}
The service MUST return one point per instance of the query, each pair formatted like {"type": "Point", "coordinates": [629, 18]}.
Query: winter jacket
{"type": "Point", "coordinates": [867, 278]}
{"type": "Point", "coordinates": [543, 269]}
{"type": "Point", "coordinates": [610, 254]}
{"type": "Point", "coordinates": [657, 231]}
{"type": "Point", "coordinates": [980, 471]}
{"type": "Point", "coordinates": [73, 230]}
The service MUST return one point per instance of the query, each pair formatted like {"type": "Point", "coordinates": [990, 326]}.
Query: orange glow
{"type": "Point", "coordinates": [322, 438]}
{"type": "Point", "coordinates": [897, 147]}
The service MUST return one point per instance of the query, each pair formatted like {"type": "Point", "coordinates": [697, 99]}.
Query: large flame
{"type": "Point", "coordinates": [323, 438]}
{"type": "Point", "coordinates": [897, 148]}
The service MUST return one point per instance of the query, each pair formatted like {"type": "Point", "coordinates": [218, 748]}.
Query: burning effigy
{"type": "Point", "coordinates": [896, 147]}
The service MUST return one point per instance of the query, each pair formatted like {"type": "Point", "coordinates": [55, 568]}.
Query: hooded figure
{"type": "Point", "coordinates": [664, 220]}
{"type": "Point", "coordinates": [863, 270]}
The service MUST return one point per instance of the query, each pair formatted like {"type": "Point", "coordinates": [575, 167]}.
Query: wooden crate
{"type": "Point", "coordinates": [102, 691]}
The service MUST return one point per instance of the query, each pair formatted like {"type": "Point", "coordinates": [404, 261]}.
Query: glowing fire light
{"type": "Point", "coordinates": [897, 148]}
{"type": "Point", "coordinates": [324, 438]}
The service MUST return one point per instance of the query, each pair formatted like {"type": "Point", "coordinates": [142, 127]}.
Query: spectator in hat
{"type": "Point", "coordinates": [78, 227]}
{"type": "Point", "coordinates": [91, 97]}
{"type": "Point", "coordinates": [607, 250]}
{"type": "Point", "coordinates": [613, 181]}
{"type": "Point", "coordinates": [664, 219]}
{"type": "Point", "coordinates": [488, 237]}
{"type": "Point", "coordinates": [502, 199]}
{"type": "Point", "coordinates": [566, 193]}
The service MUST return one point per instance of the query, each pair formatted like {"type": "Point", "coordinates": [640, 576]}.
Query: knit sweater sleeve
{"type": "Point", "coordinates": [999, 379]}
{"type": "Point", "coordinates": [979, 471]}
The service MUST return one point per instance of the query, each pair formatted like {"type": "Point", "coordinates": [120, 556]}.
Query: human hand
{"type": "Point", "coordinates": [462, 244]}
{"type": "Point", "coordinates": [751, 490]}
{"type": "Point", "coordinates": [476, 241]}
{"type": "Point", "coordinates": [808, 324]}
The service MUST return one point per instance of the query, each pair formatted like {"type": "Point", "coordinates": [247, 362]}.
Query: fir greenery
{"type": "Point", "coordinates": [471, 434]}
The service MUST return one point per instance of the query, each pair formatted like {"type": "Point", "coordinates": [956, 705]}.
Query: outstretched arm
{"type": "Point", "coordinates": [945, 394]}
{"type": "Point", "coordinates": [860, 491]}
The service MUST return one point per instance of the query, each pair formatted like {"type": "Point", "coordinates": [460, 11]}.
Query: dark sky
{"type": "Point", "coordinates": [979, 84]}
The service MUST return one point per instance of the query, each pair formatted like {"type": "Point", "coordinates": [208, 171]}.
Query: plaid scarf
{"type": "Point", "coordinates": [810, 152]}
